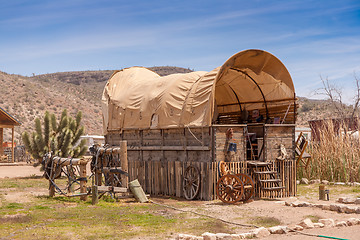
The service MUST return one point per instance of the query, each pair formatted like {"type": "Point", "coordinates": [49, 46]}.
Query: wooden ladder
{"type": "Point", "coordinates": [265, 177]}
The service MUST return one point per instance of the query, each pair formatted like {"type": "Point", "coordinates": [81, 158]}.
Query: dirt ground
{"type": "Point", "coordinates": [238, 213]}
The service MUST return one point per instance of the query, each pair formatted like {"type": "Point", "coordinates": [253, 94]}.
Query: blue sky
{"type": "Point", "coordinates": [311, 38]}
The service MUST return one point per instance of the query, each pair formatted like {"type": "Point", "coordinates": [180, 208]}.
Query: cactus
{"type": "Point", "coordinates": [59, 138]}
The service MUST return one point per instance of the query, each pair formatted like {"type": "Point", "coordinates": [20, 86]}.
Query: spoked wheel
{"type": "Point", "coordinates": [248, 186]}
{"type": "Point", "coordinates": [223, 168]}
{"type": "Point", "coordinates": [230, 188]}
{"type": "Point", "coordinates": [191, 182]}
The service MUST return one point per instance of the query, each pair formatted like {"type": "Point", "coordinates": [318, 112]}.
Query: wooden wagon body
{"type": "Point", "coordinates": [158, 158]}
{"type": "Point", "coordinates": [181, 120]}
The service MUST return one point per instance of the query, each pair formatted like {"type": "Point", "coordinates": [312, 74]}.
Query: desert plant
{"type": "Point", "coordinates": [61, 138]}
{"type": "Point", "coordinates": [336, 155]}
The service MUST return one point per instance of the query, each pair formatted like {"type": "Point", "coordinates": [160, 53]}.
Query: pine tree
{"type": "Point", "coordinates": [62, 138]}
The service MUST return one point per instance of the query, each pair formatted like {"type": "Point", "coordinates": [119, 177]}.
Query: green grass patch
{"type": "Point", "coordinates": [313, 218]}
{"type": "Point", "coordinates": [265, 221]}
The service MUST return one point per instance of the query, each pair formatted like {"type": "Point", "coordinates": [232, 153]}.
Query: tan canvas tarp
{"type": "Point", "coordinates": [137, 98]}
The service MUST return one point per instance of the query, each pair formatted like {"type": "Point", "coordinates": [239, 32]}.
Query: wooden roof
{"type": "Point", "coordinates": [6, 120]}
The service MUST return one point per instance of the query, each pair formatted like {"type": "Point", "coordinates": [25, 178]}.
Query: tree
{"type": "Point", "coordinates": [335, 96]}
{"type": "Point", "coordinates": [61, 139]}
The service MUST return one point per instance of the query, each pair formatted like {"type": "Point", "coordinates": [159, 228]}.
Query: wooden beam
{"type": "Point", "coordinates": [1, 141]}
{"type": "Point", "coordinates": [124, 163]}
{"type": "Point", "coordinates": [2, 125]}
{"type": "Point", "coordinates": [12, 146]}
{"type": "Point", "coordinates": [169, 148]}
{"type": "Point", "coordinates": [73, 161]}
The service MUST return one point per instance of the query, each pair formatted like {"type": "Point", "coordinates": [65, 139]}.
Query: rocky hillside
{"type": "Point", "coordinates": [29, 97]}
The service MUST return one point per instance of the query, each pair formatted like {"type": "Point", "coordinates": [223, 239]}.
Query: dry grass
{"type": "Point", "coordinates": [336, 157]}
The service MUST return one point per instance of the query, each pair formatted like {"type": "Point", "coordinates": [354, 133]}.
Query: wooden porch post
{"type": "Point", "coordinates": [1, 141]}
{"type": "Point", "coordinates": [12, 145]}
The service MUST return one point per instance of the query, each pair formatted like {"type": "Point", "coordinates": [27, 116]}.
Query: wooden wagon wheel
{"type": "Point", "coordinates": [248, 186]}
{"type": "Point", "coordinates": [230, 188]}
{"type": "Point", "coordinates": [223, 168]}
{"type": "Point", "coordinates": [191, 182]}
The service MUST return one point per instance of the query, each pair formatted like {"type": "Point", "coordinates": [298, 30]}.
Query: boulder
{"type": "Point", "coordinates": [339, 183]}
{"type": "Point", "coordinates": [357, 201]}
{"type": "Point", "coordinates": [358, 210]}
{"type": "Point", "coordinates": [261, 232]}
{"type": "Point", "coordinates": [327, 222]}
{"type": "Point", "coordinates": [348, 200]}
{"type": "Point", "coordinates": [304, 181]}
{"type": "Point", "coordinates": [318, 225]}
{"type": "Point", "coordinates": [325, 207]}
{"type": "Point", "coordinates": [186, 237]}
{"type": "Point", "coordinates": [352, 221]}
{"type": "Point", "coordinates": [307, 223]}
{"type": "Point", "coordinates": [319, 205]}
{"type": "Point", "coordinates": [325, 182]}
{"type": "Point", "coordinates": [350, 209]}
{"type": "Point", "coordinates": [209, 236]}
{"type": "Point", "coordinates": [315, 181]}
{"type": "Point", "coordinates": [294, 228]}
{"type": "Point", "coordinates": [341, 224]}
{"type": "Point", "coordinates": [223, 236]}
{"type": "Point", "coordinates": [278, 230]}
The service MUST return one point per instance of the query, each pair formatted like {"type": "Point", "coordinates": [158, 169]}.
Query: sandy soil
{"type": "Point", "coordinates": [19, 171]}
{"type": "Point", "coordinates": [238, 213]}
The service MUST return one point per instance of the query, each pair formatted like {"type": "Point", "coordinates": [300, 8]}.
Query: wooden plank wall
{"type": "Point", "coordinates": [238, 138]}
{"type": "Point", "coordinates": [274, 136]}
{"type": "Point", "coordinates": [158, 158]}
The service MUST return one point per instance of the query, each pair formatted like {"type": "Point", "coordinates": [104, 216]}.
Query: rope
{"type": "Point", "coordinates": [194, 135]}
{"type": "Point", "coordinates": [204, 215]}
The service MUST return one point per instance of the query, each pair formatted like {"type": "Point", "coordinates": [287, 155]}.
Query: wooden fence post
{"type": "Point", "coordinates": [83, 181]}
{"type": "Point", "coordinates": [124, 163]}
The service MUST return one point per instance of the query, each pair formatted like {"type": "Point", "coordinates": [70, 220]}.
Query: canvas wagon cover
{"type": "Point", "coordinates": [138, 98]}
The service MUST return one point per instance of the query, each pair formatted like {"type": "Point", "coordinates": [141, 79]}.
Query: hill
{"type": "Point", "coordinates": [29, 97]}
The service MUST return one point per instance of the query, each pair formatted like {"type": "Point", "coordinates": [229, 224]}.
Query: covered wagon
{"type": "Point", "coordinates": [179, 127]}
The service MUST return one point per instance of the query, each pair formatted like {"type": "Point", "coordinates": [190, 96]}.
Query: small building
{"type": "Point", "coordinates": [180, 122]}
{"type": "Point", "coordinates": [7, 121]}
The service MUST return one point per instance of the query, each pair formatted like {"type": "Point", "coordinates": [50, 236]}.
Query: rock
{"type": "Point", "coordinates": [341, 224]}
{"type": "Point", "coordinates": [307, 223]}
{"type": "Point", "coordinates": [297, 203]}
{"type": "Point", "coordinates": [287, 203]}
{"type": "Point", "coordinates": [297, 182]}
{"type": "Point", "coordinates": [325, 182]}
{"type": "Point", "coordinates": [246, 235]}
{"type": "Point", "coordinates": [342, 208]}
{"type": "Point", "coordinates": [209, 236]}
{"type": "Point", "coordinates": [358, 210]}
{"type": "Point", "coordinates": [315, 181]}
{"type": "Point", "coordinates": [339, 183]}
{"type": "Point", "coordinates": [319, 205]}
{"type": "Point", "coordinates": [325, 207]}
{"type": "Point", "coordinates": [357, 201]}
{"type": "Point", "coordinates": [304, 181]}
{"type": "Point", "coordinates": [327, 222]}
{"type": "Point", "coordinates": [350, 209]}
{"type": "Point", "coordinates": [223, 236]}
{"type": "Point", "coordinates": [352, 221]}
{"type": "Point", "coordinates": [340, 199]}
{"type": "Point", "coordinates": [294, 228]}
{"type": "Point", "coordinates": [334, 207]}
{"type": "Point", "coordinates": [186, 237]}
{"type": "Point", "coordinates": [278, 230]}
{"type": "Point", "coordinates": [319, 225]}
{"type": "Point", "coordinates": [348, 200]}
{"type": "Point", "coordinates": [261, 232]}
{"type": "Point", "coordinates": [237, 236]}
{"type": "Point", "coordinates": [356, 184]}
